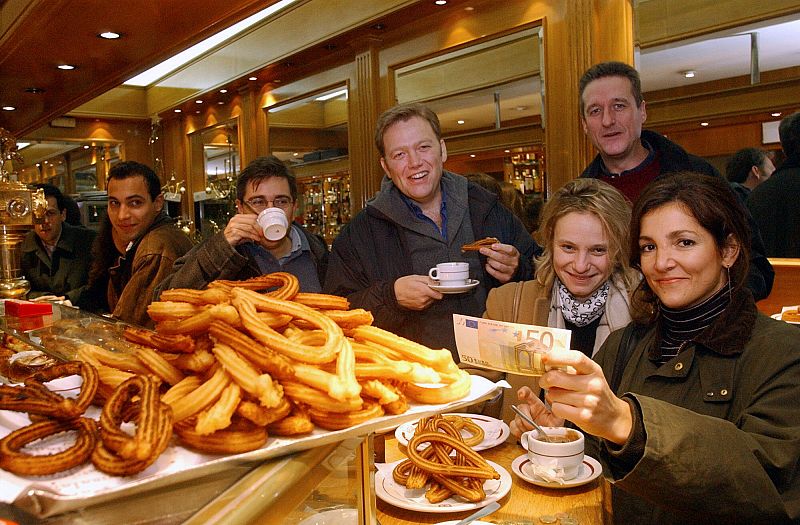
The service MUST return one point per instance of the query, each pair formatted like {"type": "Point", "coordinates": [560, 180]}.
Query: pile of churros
{"type": "Point", "coordinates": [439, 458]}
{"type": "Point", "coordinates": [232, 364]}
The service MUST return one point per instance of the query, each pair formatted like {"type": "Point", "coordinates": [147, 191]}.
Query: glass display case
{"type": "Point", "coordinates": [324, 205]}
{"type": "Point", "coordinates": [526, 171]}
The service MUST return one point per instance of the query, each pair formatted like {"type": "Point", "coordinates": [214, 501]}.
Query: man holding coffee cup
{"type": "Point", "coordinates": [421, 217]}
{"type": "Point", "coordinates": [261, 238]}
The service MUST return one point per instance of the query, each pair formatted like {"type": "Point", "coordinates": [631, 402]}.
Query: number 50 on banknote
{"type": "Point", "coordinates": [510, 347]}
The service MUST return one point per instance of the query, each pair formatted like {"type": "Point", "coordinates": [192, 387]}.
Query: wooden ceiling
{"type": "Point", "coordinates": [38, 35]}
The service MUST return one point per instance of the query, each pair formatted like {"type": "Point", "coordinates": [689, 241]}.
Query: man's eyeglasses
{"type": "Point", "coordinates": [51, 213]}
{"type": "Point", "coordinates": [259, 204]}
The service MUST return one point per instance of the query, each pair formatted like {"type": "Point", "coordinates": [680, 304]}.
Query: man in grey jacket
{"type": "Point", "coordinates": [242, 251]}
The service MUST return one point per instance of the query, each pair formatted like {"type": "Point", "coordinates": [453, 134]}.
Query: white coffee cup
{"type": "Point", "coordinates": [450, 273]}
{"type": "Point", "coordinates": [561, 459]}
{"type": "Point", "coordinates": [274, 223]}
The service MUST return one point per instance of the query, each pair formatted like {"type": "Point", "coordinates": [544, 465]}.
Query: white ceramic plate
{"type": "Point", "coordinates": [471, 283]}
{"type": "Point", "coordinates": [590, 470]}
{"type": "Point", "coordinates": [395, 494]}
{"type": "Point", "coordinates": [495, 431]}
{"type": "Point", "coordinates": [332, 517]}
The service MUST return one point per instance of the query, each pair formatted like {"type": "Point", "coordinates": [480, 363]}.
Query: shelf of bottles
{"type": "Point", "coordinates": [325, 203]}
{"type": "Point", "coordinates": [526, 171]}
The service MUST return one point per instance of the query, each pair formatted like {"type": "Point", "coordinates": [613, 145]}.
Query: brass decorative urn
{"type": "Point", "coordinates": [20, 209]}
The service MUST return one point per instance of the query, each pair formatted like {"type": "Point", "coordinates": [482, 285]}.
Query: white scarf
{"type": "Point", "coordinates": [581, 313]}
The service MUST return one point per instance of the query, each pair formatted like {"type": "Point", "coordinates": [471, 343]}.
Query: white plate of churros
{"type": "Point", "coordinates": [388, 490]}
{"type": "Point", "coordinates": [494, 430]}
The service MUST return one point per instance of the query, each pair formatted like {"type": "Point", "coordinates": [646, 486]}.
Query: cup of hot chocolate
{"type": "Point", "coordinates": [450, 273]}
{"type": "Point", "coordinates": [273, 223]}
{"type": "Point", "coordinates": [559, 454]}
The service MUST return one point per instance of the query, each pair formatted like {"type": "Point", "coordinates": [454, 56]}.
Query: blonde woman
{"type": "Point", "coordinates": [583, 278]}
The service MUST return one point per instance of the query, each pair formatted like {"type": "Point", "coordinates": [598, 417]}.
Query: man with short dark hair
{"type": "Point", "coordinates": [613, 112]}
{"type": "Point", "coordinates": [55, 255]}
{"type": "Point", "coordinates": [746, 169]}
{"type": "Point", "coordinates": [774, 204]}
{"type": "Point", "coordinates": [137, 246]}
{"type": "Point", "coordinates": [242, 249]}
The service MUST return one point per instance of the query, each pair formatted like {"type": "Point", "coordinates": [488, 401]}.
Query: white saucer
{"type": "Point", "coordinates": [495, 431]}
{"type": "Point", "coordinates": [471, 283]}
{"type": "Point", "coordinates": [590, 470]}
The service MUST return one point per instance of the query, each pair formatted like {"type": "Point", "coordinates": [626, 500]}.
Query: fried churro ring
{"type": "Point", "coordinates": [247, 302]}
{"type": "Point", "coordinates": [296, 423]}
{"type": "Point", "coordinates": [440, 395]}
{"type": "Point", "coordinates": [152, 418]}
{"type": "Point", "coordinates": [440, 360]}
{"type": "Point", "coordinates": [288, 284]}
{"type": "Point", "coordinates": [261, 386]}
{"type": "Point", "coordinates": [218, 415]}
{"type": "Point", "coordinates": [172, 311]}
{"type": "Point", "coordinates": [198, 399]}
{"type": "Point", "coordinates": [241, 436]}
{"type": "Point", "coordinates": [300, 393]}
{"type": "Point", "coordinates": [474, 467]}
{"type": "Point", "coordinates": [262, 416]}
{"type": "Point", "coordinates": [198, 297]}
{"type": "Point", "coordinates": [264, 358]}
{"type": "Point", "coordinates": [22, 464]}
{"type": "Point", "coordinates": [159, 366]}
{"type": "Point", "coordinates": [477, 245]}
{"type": "Point", "coordinates": [177, 343]}
{"type": "Point", "coordinates": [36, 398]}
{"type": "Point", "coordinates": [340, 420]}
{"type": "Point", "coordinates": [322, 301]}
{"type": "Point", "coordinates": [199, 323]}
{"type": "Point", "coordinates": [464, 423]}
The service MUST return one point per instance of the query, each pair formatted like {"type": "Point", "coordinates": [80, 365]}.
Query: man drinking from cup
{"type": "Point", "coordinates": [261, 238]}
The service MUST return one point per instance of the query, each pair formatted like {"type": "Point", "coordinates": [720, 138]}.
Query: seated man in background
{"type": "Point", "coordinates": [55, 255]}
{"type": "Point", "coordinates": [242, 249]}
{"type": "Point", "coordinates": [746, 169]}
{"type": "Point", "coordinates": [136, 247]}
{"type": "Point", "coordinates": [422, 216]}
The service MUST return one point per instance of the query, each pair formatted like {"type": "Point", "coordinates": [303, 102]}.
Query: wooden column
{"type": "Point", "coordinates": [248, 149]}
{"type": "Point", "coordinates": [583, 33]}
{"type": "Point", "coordinates": [365, 171]}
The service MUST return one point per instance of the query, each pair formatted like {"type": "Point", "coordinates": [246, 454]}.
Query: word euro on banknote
{"type": "Point", "coordinates": [509, 347]}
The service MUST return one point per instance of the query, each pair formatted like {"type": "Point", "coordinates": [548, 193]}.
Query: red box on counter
{"type": "Point", "coordinates": [19, 308]}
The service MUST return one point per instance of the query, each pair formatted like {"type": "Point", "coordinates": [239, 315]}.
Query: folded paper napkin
{"type": "Point", "coordinates": [551, 474]}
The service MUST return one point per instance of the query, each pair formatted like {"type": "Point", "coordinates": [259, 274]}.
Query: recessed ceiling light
{"type": "Point", "coordinates": [34, 90]}
{"type": "Point", "coordinates": [704, 124]}
{"type": "Point", "coordinates": [223, 91]}
{"type": "Point", "coordinates": [85, 147]}
{"type": "Point", "coordinates": [776, 114]}
{"type": "Point", "coordinates": [459, 121]}
{"type": "Point", "coordinates": [66, 67]}
{"type": "Point", "coordinates": [220, 102]}
{"type": "Point", "coordinates": [197, 112]}
{"type": "Point", "coordinates": [198, 101]}
{"type": "Point", "coordinates": [9, 108]}
{"type": "Point", "coordinates": [507, 151]}
{"type": "Point", "coordinates": [295, 154]}
{"type": "Point", "coordinates": [440, 2]}
{"type": "Point", "coordinates": [109, 35]}
{"type": "Point", "coordinates": [469, 8]}
{"type": "Point", "coordinates": [177, 111]}
{"type": "Point", "coordinates": [472, 155]}
{"type": "Point", "coordinates": [253, 78]}
{"type": "Point", "coordinates": [689, 73]}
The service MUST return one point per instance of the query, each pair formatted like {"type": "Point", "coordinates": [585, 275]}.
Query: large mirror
{"type": "Point", "coordinates": [489, 99]}
{"type": "Point", "coordinates": [310, 134]}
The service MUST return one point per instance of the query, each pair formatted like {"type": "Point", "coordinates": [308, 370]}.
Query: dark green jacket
{"type": "Point", "coordinates": [67, 272]}
{"type": "Point", "coordinates": [717, 428]}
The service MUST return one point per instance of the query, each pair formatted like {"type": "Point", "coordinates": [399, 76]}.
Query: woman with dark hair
{"type": "Point", "coordinates": [694, 410]}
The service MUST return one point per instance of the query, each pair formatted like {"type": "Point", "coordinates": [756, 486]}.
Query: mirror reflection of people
{"type": "Point", "coordinates": [421, 216]}
{"type": "Point", "coordinates": [703, 425]}
{"type": "Point", "coordinates": [242, 250]}
{"type": "Point", "coordinates": [56, 255]}
{"type": "Point", "coordinates": [613, 112]}
{"type": "Point", "coordinates": [746, 169]}
{"type": "Point", "coordinates": [135, 248]}
{"type": "Point", "coordinates": [774, 204]}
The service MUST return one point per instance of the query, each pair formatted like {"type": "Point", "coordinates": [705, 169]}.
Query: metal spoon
{"type": "Point", "coordinates": [542, 433]}
{"type": "Point", "coordinates": [485, 511]}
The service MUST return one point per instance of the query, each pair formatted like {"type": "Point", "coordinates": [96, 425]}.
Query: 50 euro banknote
{"type": "Point", "coordinates": [508, 347]}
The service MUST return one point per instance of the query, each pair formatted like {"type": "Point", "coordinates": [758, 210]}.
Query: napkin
{"type": "Point", "coordinates": [549, 473]}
